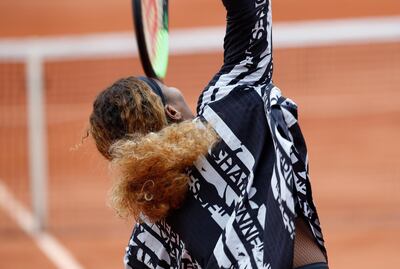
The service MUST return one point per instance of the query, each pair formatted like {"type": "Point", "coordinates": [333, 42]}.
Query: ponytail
{"type": "Point", "coordinates": [151, 169]}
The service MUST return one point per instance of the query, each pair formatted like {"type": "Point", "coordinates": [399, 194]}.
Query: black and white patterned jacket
{"type": "Point", "coordinates": [245, 194]}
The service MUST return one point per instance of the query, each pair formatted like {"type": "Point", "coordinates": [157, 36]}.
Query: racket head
{"type": "Point", "coordinates": [151, 27]}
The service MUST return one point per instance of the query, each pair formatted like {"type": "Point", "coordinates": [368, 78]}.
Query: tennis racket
{"type": "Point", "coordinates": [151, 26]}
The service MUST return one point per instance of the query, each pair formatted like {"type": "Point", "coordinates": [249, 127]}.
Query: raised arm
{"type": "Point", "coordinates": [247, 50]}
{"type": "Point", "coordinates": [248, 39]}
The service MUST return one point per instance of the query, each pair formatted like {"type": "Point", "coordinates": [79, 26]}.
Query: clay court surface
{"type": "Point", "coordinates": [349, 102]}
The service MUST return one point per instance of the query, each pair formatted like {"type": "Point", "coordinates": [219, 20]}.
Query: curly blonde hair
{"type": "Point", "coordinates": [152, 176]}
{"type": "Point", "coordinates": [149, 155]}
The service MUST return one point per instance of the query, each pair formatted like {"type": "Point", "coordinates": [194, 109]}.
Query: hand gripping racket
{"type": "Point", "coordinates": [151, 25]}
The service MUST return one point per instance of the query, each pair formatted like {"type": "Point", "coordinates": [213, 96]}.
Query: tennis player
{"type": "Point", "coordinates": [229, 189]}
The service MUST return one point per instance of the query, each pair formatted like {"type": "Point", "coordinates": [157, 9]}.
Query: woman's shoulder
{"type": "Point", "coordinates": [236, 98]}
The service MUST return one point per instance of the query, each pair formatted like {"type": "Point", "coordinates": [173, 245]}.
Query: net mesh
{"type": "Point", "coordinates": [13, 136]}
{"type": "Point", "coordinates": [356, 69]}
{"type": "Point", "coordinates": [13, 130]}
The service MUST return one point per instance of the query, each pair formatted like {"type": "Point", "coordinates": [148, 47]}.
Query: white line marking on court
{"type": "Point", "coordinates": [53, 249]}
{"type": "Point", "coordinates": [206, 39]}
{"type": "Point", "coordinates": [336, 32]}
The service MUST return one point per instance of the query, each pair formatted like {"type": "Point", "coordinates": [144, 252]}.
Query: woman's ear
{"type": "Point", "coordinates": [172, 113]}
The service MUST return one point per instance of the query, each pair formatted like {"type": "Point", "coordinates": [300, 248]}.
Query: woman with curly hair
{"type": "Point", "coordinates": [145, 133]}
{"type": "Point", "coordinates": [229, 189]}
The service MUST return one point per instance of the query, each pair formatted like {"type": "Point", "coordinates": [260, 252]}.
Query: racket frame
{"type": "Point", "coordinates": [141, 40]}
